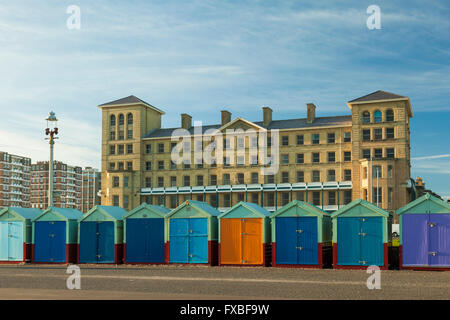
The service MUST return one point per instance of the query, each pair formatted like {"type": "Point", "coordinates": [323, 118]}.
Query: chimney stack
{"type": "Point", "coordinates": [226, 117]}
{"type": "Point", "coordinates": [186, 121]}
{"type": "Point", "coordinates": [267, 116]}
{"type": "Point", "coordinates": [311, 112]}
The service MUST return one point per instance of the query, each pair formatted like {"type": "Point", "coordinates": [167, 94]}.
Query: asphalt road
{"type": "Point", "coordinates": [200, 282]}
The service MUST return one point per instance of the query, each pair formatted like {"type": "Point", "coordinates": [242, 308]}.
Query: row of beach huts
{"type": "Point", "coordinates": [299, 234]}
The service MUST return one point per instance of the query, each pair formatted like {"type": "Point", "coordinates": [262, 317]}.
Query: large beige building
{"type": "Point", "coordinates": [328, 161]}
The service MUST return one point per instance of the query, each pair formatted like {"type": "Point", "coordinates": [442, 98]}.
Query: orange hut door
{"type": "Point", "coordinates": [230, 241]}
{"type": "Point", "coordinates": [252, 249]}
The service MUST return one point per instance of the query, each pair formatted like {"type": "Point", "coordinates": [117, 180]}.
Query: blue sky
{"type": "Point", "coordinates": [203, 56]}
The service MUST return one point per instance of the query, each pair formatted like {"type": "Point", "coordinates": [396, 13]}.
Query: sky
{"type": "Point", "coordinates": [204, 56]}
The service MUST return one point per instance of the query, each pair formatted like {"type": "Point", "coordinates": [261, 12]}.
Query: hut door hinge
{"type": "Point", "coordinates": [431, 224]}
{"type": "Point", "coordinates": [300, 248]}
{"type": "Point", "coordinates": [362, 234]}
{"type": "Point", "coordinates": [433, 253]}
{"type": "Point", "coordinates": [363, 262]}
{"type": "Point", "coordinates": [299, 231]}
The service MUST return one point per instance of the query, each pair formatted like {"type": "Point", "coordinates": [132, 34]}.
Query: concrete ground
{"type": "Point", "coordinates": [223, 283]}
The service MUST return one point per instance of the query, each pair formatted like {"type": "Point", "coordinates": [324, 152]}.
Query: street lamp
{"type": "Point", "coordinates": [51, 131]}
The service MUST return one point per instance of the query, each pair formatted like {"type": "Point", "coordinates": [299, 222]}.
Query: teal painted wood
{"type": "Point", "coordinates": [4, 235]}
{"type": "Point", "coordinates": [15, 243]}
{"type": "Point", "coordinates": [24, 215]}
{"type": "Point", "coordinates": [348, 246]}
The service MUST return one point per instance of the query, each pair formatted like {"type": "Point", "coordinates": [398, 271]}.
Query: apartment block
{"type": "Point", "coordinates": [90, 188]}
{"type": "Point", "coordinates": [15, 172]}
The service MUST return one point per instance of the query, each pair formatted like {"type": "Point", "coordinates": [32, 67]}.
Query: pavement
{"type": "Point", "coordinates": [175, 282]}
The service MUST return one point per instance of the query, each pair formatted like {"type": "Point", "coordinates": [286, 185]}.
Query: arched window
{"type": "Point", "coordinates": [389, 115]}
{"type": "Point", "coordinates": [121, 119]}
{"type": "Point", "coordinates": [377, 116]}
{"type": "Point", "coordinates": [366, 117]}
{"type": "Point", "coordinates": [112, 120]}
{"type": "Point", "coordinates": [130, 119]}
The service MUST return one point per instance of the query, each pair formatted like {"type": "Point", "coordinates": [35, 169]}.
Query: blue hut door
{"type": "Point", "coordinates": [105, 242]}
{"type": "Point", "coordinates": [348, 242]}
{"type": "Point", "coordinates": [15, 241]}
{"type": "Point", "coordinates": [415, 239]}
{"type": "Point", "coordinates": [11, 241]}
{"type": "Point", "coordinates": [439, 244]}
{"type": "Point", "coordinates": [4, 239]}
{"type": "Point", "coordinates": [179, 240]}
{"type": "Point", "coordinates": [88, 242]}
{"type": "Point", "coordinates": [198, 240]}
{"type": "Point", "coordinates": [307, 241]}
{"type": "Point", "coordinates": [371, 239]}
{"type": "Point", "coordinates": [145, 240]}
{"type": "Point", "coordinates": [188, 240]}
{"type": "Point", "coordinates": [50, 241]}
{"type": "Point", "coordinates": [286, 240]}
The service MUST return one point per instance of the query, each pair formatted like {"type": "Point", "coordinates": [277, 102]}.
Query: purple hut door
{"type": "Point", "coordinates": [439, 240]}
{"type": "Point", "coordinates": [415, 239]}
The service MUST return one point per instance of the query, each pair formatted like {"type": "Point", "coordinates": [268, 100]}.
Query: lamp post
{"type": "Point", "coordinates": [51, 131]}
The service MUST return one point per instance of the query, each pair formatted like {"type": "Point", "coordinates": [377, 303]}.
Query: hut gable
{"type": "Point", "coordinates": [360, 208]}
{"type": "Point", "coordinates": [13, 213]}
{"type": "Point", "coordinates": [59, 214]}
{"type": "Point", "coordinates": [104, 213]}
{"type": "Point", "coordinates": [147, 211]}
{"type": "Point", "coordinates": [193, 209]}
{"type": "Point", "coordinates": [245, 210]}
{"type": "Point", "coordinates": [425, 204]}
{"type": "Point", "coordinates": [298, 208]}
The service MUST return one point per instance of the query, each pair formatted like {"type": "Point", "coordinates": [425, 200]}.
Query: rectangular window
{"type": "Point", "coordinates": [377, 173]}
{"type": "Point", "coordinates": [253, 160]}
{"type": "Point", "coordinates": [390, 153]}
{"type": "Point", "coordinates": [270, 178]}
{"type": "Point", "coordinates": [378, 153]}
{"type": "Point", "coordinates": [347, 196]}
{"type": "Point", "coordinates": [112, 136]}
{"type": "Point", "coordinates": [125, 182]}
{"type": "Point", "coordinates": [121, 135]}
{"type": "Point", "coordinates": [148, 148]}
{"type": "Point", "coordinates": [255, 198]}
{"type": "Point", "coordinates": [112, 150]}
{"type": "Point", "coordinates": [331, 175]}
{"type": "Point", "coordinates": [347, 156]}
{"type": "Point", "coordinates": [316, 157]}
{"type": "Point", "coordinates": [366, 153]}
{"type": "Point", "coordinates": [284, 198]}
{"type": "Point", "coordinates": [347, 175]}
{"type": "Point", "coordinates": [116, 201]}
{"type": "Point", "coordinates": [389, 171]}
{"type": "Point", "coordinates": [285, 177]}
{"type": "Point", "coordinates": [240, 160]}
{"type": "Point", "coordinates": [347, 136]}
{"type": "Point", "coordinates": [213, 180]}
{"type": "Point", "coordinates": [389, 133]}
{"type": "Point", "coordinates": [129, 148]}
{"type": "Point", "coordinates": [148, 165]}
{"type": "Point", "coordinates": [115, 182]}
{"type": "Point", "coordinates": [390, 191]}
{"type": "Point", "coordinates": [284, 140]}
{"type": "Point", "coordinates": [186, 165]}
{"type": "Point", "coordinates": [226, 200]}
{"type": "Point", "coordinates": [186, 181]}
{"type": "Point", "coordinates": [366, 135]}
{"type": "Point", "coordinates": [301, 196]}
{"type": "Point", "coordinates": [331, 157]}
{"type": "Point", "coordinates": [270, 199]}
{"type": "Point", "coordinates": [316, 176]}
{"type": "Point", "coordinates": [120, 149]}
{"type": "Point", "coordinates": [120, 166]}
{"type": "Point", "coordinates": [213, 163]}
{"type": "Point", "coordinates": [199, 164]}
{"type": "Point", "coordinates": [160, 182]}
{"type": "Point", "coordinates": [377, 196]}
{"type": "Point", "coordinates": [226, 161]}
{"type": "Point", "coordinates": [285, 159]}
{"type": "Point", "coordinates": [316, 198]}
{"type": "Point", "coordinates": [173, 181]}
{"type": "Point", "coordinates": [173, 201]}
{"type": "Point", "coordinates": [173, 165]}
{"type": "Point", "coordinates": [130, 134]}
{"type": "Point", "coordinates": [300, 158]}
{"type": "Point", "coordinates": [200, 180]}
{"type": "Point", "coordinates": [315, 138]}
{"type": "Point", "coordinates": [255, 177]}
{"type": "Point", "coordinates": [240, 178]}
{"type": "Point", "coordinates": [213, 200]}
{"type": "Point", "coordinates": [331, 138]}
{"type": "Point", "coordinates": [130, 166]}
{"type": "Point", "coordinates": [226, 178]}
{"type": "Point", "coordinates": [240, 143]}
{"type": "Point", "coordinates": [160, 147]}
{"type": "Point", "coordinates": [112, 165]}
{"type": "Point", "coordinates": [240, 197]}
{"type": "Point", "coordinates": [300, 176]}
{"type": "Point", "coordinates": [331, 198]}
{"type": "Point", "coordinates": [300, 140]}
{"type": "Point", "coordinates": [378, 134]}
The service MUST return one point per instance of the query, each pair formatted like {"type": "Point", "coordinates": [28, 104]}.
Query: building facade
{"type": "Point", "coordinates": [90, 189]}
{"type": "Point", "coordinates": [15, 172]}
{"type": "Point", "coordinates": [328, 161]}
